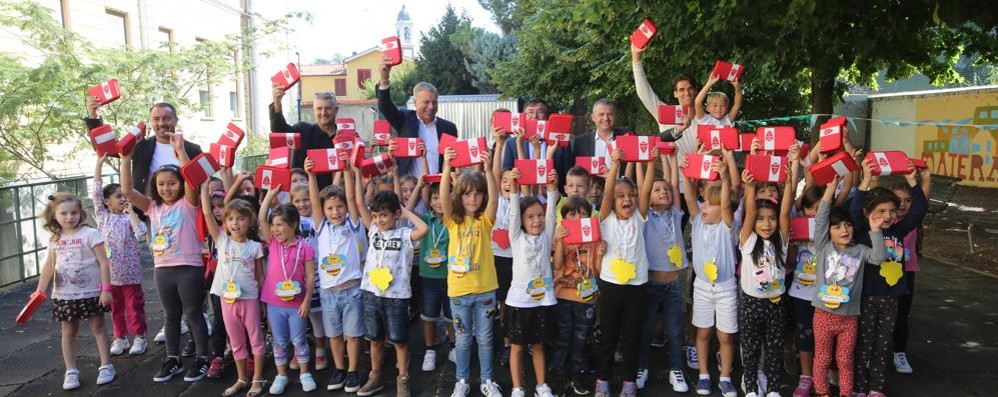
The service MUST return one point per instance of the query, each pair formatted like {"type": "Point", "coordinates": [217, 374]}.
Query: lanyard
{"type": "Point", "coordinates": [627, 238]}
{"type": "Point", "coordinates": [228, 257]}
{"type": "Point", "coordinates": [436, 233]}
{"type": "Point", "coordinates": [465, 244]}
{"type": "Point", "coordinates": [284, 266]}
{"type": "Point", "coordinates": [586, 272]}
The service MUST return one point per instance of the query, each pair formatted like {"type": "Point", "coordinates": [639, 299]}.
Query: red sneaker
{"type": "Point", "coordinates": [215, 370]}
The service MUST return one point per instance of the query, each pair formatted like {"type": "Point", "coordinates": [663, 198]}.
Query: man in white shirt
{"type": "Point", "coordinates": [604, 117]}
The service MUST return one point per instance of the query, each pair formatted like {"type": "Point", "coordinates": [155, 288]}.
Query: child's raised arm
{"type": "Point", "coordinates": [644, 195]}
{"type": "Point", "coordinates": [420, 228]}
{"type": "Point", "coordinates": [313, 192]}
{"type": "Point", "coordinates": [789, 190]}
{"type": "Point", "coordinates": [493, 186]}
{"type": "Point", "coordinates": [226, 177]}
{"type": "Point", "coordinates": [733, 172]}
{"type": "Point", "coordinates": [611, 182]}
{"type": "Point", "coordinates": [821, 217]}
{"type": "Point", "coordinates": [236, 185]}
{"type": "Point", "coordinates": [750, 208]}
{"type": "Point", "coordinates": [726, 212]}
{"type": "Point", "coordinates": [98, 193]}
{"type": "Point", "coordinates": [671, 169]}
{"type": "Point", "coordinates": [737, 105]}
{"type": "Point", "coordinates": [137, 199]}
{"type": "Point", "coordinates": [209, 218]}
{"type": "Point", "coordinates": [702, 96]}
{"type": "Point", "coordinates": [445, 203]}
{"type": "Point", "coordinates": [358, 211]}
{"type": "Point", "coordinates": [190, 194]}
{"type": "Point", "coordinates": [691, 191]}
{"type": "Point", "coordinates": [416, 195]}
{"type": "Point", "coordinates": [262, 215]}
{"type": "Point", "coordinates": [551, 210]}
{"type": "Point", "coordinates": [558, 259]}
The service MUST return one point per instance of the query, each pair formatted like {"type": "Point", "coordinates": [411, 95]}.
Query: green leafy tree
{"type": "Point", "coordinates": [441, 61]}
{"type": "Point", "coordinates": [485, 51]}
{"type": "Point", "coordinates": [400, 83]}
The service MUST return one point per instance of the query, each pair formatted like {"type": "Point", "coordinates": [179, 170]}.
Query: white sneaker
{"type": "Point", "coordinates": [118, 346]}
{"type": "Point", "coordinates": [71, 380]}
{"type": "Point", "coordinates": [105, 374]}
{"type": "Point", "coordinates": [518, 392]}
{"type": "Point", "coordinates": [678, 382]}
{"type": "Point", "coordinates": [160, 336]}
{"type": "Point", "coordinates": [461, 389]}
{"type": "Point", "coordinates": [490, 389]}
{"type": "Point", "coordinates": [452, 356]}
{"type": "Point", "coordinates": [901, 364]}
{"type": "Point", "coordinates": [642, 378]}
{"type": "Point", "coordinates": [138, 346]}
{"type": "Point", "coordinates": [430, 360]}
{"type": "Point", "coordinates": [542, 390]}
{"type": "Point", "coordinates": [773, 394]}
{"type": "Point", "coordinates": [751, 395]}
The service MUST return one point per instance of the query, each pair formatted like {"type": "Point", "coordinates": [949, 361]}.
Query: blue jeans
{"type": "Point", "coordinates": [342, 312]}
{"type": "Point", "coordinates": [473, 315]}
{"type": "Point", "coordinates": [670, 298]}
{"type": "Point", "coordinates": [434, 301]}
{"type": "Point", "coordinates": [575, 321]}
{"type": "Point", "coordinates": [386, 317]}
{"type": "Point", "coordinates": [285, 324]}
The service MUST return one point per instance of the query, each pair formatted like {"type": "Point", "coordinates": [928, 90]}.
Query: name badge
{"type": "Point", "coordinates": [460, 265]}
{"type": "Point", "coordinates": [160, 244]}
{"type": "Point", "coordinates": [231, 292]}
{"type": "Point", "coordinates": [287, 289]}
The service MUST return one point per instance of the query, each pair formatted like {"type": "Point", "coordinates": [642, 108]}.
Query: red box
{"type": "Point", "coordinates": [326, 160]}
{"type": "Point", "coordinates": [469, 152]}
{"type": "Point", "coordinates": [224, 154]}
{"type": "Point", "coordinates": [432, 178]}
{"type": "Point", "coordinates": [232, 136]}
{"type": "Point", "coordinates": [581, 231]}
{"type": "Point", "coordinates": [919, 164]}
{"type": "Point", "coordinates": [134, 135]}
{"type": "Point", "coordinates": [407, 148]}
{"type": "Point", "coordinates": [643, 34]}
{"type": "Point", "coordinates": [801, 229]}
{"type": "Point", "coordinates": [104, 140]}
{"type": "Point", "coordinates": [776, 138]}
{"type": "Point", "coordinates": [534, 172]}
{"type": "Point", "coordinates": [698, 166]}
{"type": "Point", "coordinates": [446, 141]}
{"type": "Point", "coordinates": [727, 70]}
{"type": "Point", "coordinates": [269, 177]}
{"type": "Point", "coordinates": [636, 148]}
{"type": "Point", "coordinates": [718, 137]}
{"type": "Point", "coordinates": [889, 162]}
{"type": "Point", "coordinates": [508, 122]}
{"type": "Point", "coordinates": [393, 48]}
{"type": "Point", "coordinates": [287, 77]}
{"type": "Point", "coordinates": [346, 124]}
{"type": "Point", "coordinates": [376, 166]}
{"type": "Point", "coordinates": [279, 157]}
{"type": "Point", "coordinates": [533, 127]}
{"type": "Point", "coordinates": [345, 140]}
{"type": "Point", "coordinates": [840, 164]}
{"type": "Point", "coordinates": [199, 169]}
{"type": "Point", "coordinates": [745, 142]}
{"type": "Point", "coordinates": [29, 309]}
{"type": "Point", "coordinates": [106, 92]}
{"type": "Point", "coordinates": [666, 148]}
{"type": "Point", "coordinates": [291, 140]}
{"type": "Point", "coordinates": [766, 168]}
{"type": "Point", "coordinates": [831, 134]}
{"type": "Point", "coordinates": [593, 165]}
{"type": "Point", "coordinates": [672, 114]}
{"type": "Point", "coordinates": [559, 129]}
{"type": "Point", "coordinates": [357, 153]}
{"type": "Point", "coordinates": [382, 132]}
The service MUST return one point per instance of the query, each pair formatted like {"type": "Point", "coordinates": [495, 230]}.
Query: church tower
{"type": "Point", "coordinates": [405, 33]}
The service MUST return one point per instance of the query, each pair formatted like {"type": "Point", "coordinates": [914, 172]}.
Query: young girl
{"type": "Point", "coordinates": [469, 212]}
{"type": "Point", "coordinates": [839, 280]}
{"type": "Point", "coordinates": [715, 290]}
{"type": "Point", "coordinates": [531, 295]}
{"type": "Point", "coordinates": [287, 289]}
{"type": "Point", "coordinates": [237, 285]}
{"type": "Point", "coordinates": [623, 275]}
{"type": "Point", "coordinates": [339, 235]}
{"type": "Point", "coordinates": [306, 229]}
{"type": "Point", "coordinates": [913, 244]}
{"type": "Point", "coordinates": [500, 239]}
{"type": "Point", "coordinates": [121, 230]}
{"type": "Point", "coordinates": [761, 317]}
{"type": "Point", "coordinates": [172, 206]}
{"type": "Point", "coordinates": [77, 263]}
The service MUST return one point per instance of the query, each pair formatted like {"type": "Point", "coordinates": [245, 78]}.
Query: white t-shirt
{"type": "Point", "coordinates": [77, 273]}
{"type": "Point", "coordinates": [162, 155]}
{"type": "Point", "coordinates": [237, 262]}
{"type": "Point", "coordinates": [712, 243]}
{"type": "Point", "coordinates": [392, 250]}
{"type": "Point", "coordinates": [502, 223]}
{"type": "Point", "coordinates": [339, 252]}
{"type": "Point", "coordinates": [531, 258]}
{"type": "Point", "coordinates": [624, 240]}
{"type": "Point", "coordinates": [765, 278]}
{"type": "Point", "coordinates": [708, 119]}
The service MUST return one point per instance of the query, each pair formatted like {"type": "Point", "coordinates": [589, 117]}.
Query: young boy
{"type": "Point", "coordinates": [717, 113]}
{"type": "Point", "coordinates": [576, 185]}
{"type": "Point", "coordinates": [433, 277]}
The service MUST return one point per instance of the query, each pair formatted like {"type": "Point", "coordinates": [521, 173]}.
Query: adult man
{"type": "Point", "coordinates": [604, 117]}
{"type": "Point", "coordinates": [684, 89]}
{"type": "Point", "coordinates": [537, 109]}
{"type": "Point", "coordinates": [421, 123]}
{"type": "Point", "coordinates": [153, 152]}
{"type": "Point", "coordinates": [313, 136]}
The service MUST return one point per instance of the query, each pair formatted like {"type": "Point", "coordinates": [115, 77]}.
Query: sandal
{"type": "Point", "coordinates": [255, 390]}
{"type": "Point", "coordinates": [235, 388]}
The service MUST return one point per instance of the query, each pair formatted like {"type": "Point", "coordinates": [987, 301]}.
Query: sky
{"type": "Point", "coordinates": [345, 27]}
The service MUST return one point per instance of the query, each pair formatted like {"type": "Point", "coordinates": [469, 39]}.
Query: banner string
{"type": "Point", "coordinates": [812, 119]}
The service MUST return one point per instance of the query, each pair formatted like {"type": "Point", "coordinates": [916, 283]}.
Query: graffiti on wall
{"type": "Point", "coordinates": [962, 150]}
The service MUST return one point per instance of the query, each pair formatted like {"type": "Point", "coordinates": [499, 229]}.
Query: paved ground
{"type": "Point", "coordinates": [953, 349]}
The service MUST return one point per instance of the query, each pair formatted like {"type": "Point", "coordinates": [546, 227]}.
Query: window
{"type": "Point", "coordinates": [234, 105]}
{"type": "Point", "coordinates": [205, 97]}
{"type": "Point", "coordinates": [163, 39]}
{"type": "Point", "coordinates": [117, 28]}
{"type": "Point", "coordinates": [64, 12]}
{"type": "Point", "coordinates": [340, 87]}
{"type": "Point", "coordinates": [363, 75]}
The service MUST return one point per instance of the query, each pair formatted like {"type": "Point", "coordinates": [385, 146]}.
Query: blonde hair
{"type": "Point", "coordinates": [48, 215]}
{"type": "Point", "coordinates": [714, 95]}
{"type": "Point", "coordinates": [713, 195]}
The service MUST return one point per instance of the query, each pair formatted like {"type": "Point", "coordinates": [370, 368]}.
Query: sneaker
{"type": "Point", "coordinates": [138, 346]}
{"type": "Point", "coordinates": [602, 388]}
{"type": "Point", "coordinates": [307, 382]}
{"type": "Point", "coordinates": [280, 382]}
{"type": "Point", "coordinates": [678, 381]}
{"type": "Point", "coordinates": [105, 374]}
{"type": "Point", "coordinates": [293, 364]}
{"type": "Point", "coordinates": [773, 394]}
{"type": "Point", "coordinates": [542, 390]}
{"type": "Point", "coordinates": [461, 389]}
{"type": "Point", "coordinates": [692, 360]}
{"type": "Point", "coordinates": [373, 386]}
{"type": "Point", "coordinates": [804, 386]}
{"type": "Point", "coordinates": [71, 380]}
{"type": "Point", "coordinates": [504, 357]}
{"type": "Point", "coordinates": [118, 346]}
{"type": "Point", "coordinates": [171, 366]}
{"type": "Point", "coordinates": [197, 371]}
{"type": "Point", "coordinates": [727, 389]}
{"type": "Point", "coordinates": [658, 341]}
{"type": "Point", "coordinates": [518, 392]}
{"type": "Point", "coordinates": [352, 383]}
{"type": "Point", "coordinates": [189, 349]}
{"type": "Point", "coordinates": [490, 389]}
{"type": "Point", "coordinates": [452, 355]}
{"type": "Point", "coordinates": [703, 386]}
{"type": "Point", "coordinates": [629, 389]}
{"type": "Point", "coordinates": [402, 386]}
{"type": "Point", "coordinates": [642, 378]}
{"type": "Point", "coordinates": [320, 360]}
{"type": "Point", "coordinates": [580, 385]}
{"type": "Point", "coordinates": [901, 364]}
{"type": "Point", "coordinates": [337, 380]}
{"type": "Point", "coordinates": [876, 394]}
{"type": "Point", "coordinates": [160, 336]}
{"type": "Point", "coordinates": [430, 360]}
{"type": "Point", "coordinates": [215, 369]}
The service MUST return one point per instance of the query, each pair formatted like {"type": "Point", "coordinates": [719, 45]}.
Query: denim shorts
{"type": "Point", "coordinates": [386, 316]}
{"type": "Point", "coordinates": [434, 300]}
{"type": "Point", "coordinates": [342, 312]}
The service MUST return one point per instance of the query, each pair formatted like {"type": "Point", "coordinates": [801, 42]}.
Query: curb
{"type": "Point", "coordinates": [951, 264]}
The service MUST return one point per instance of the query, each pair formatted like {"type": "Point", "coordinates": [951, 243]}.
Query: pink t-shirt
{"type": "Point", "coordinates": [910, 251]}
{"type": "Point", "coordinates": [176, 226]}
{"type": "Point", "coordinates": [285, 262]}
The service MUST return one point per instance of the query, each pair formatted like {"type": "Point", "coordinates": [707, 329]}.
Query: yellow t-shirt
{"type": "Point", "coordinates": [471, 239]}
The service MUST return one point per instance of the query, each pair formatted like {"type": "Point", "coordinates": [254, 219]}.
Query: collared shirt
{"type": "Point", "coordinates": [428, 133]}
{"type": "Point", "coordinates": [531, 154]}
{"type": "Point", "coordinates": [599, 147]}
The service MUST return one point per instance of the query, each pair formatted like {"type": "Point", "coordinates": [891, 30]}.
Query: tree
{"type": "Point", "coordinates": [400, 83]}
{"type": "Point", "coordinates": [507, 14]}
{"type": "Point", "coordinates": [485, 51]}
{"type": "Point", "coordinates": [41, 104]}
{"type": "Point", "coordinates": [441, 61]}
{"type": "Point", "coordinates": [336, 58]}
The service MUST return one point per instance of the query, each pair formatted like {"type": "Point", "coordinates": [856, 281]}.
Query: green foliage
{"type": "Point", "coordinates": [487, 50]}
{"type": "Point", "coordinates": [507, 14]}
{"type": "Point", "coordinates": [441, 60]}
{"type": "Point", "coordinates": [400, 83]}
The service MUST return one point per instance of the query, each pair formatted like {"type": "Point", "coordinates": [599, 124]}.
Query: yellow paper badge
{"type": "Point", "coordinates": [623, 270]}
{"type": "Point", "coordinates": [891, 271]}
{"type": "Point", "coordinates": [381, 278]}
{"type": "Point", "coordinates": [710, 268]}
{"type": "Point", "coordinates": [676, 256]}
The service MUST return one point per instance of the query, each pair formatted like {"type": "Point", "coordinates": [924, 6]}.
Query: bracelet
{"type": "Point", "coordinates": [105, 288]}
